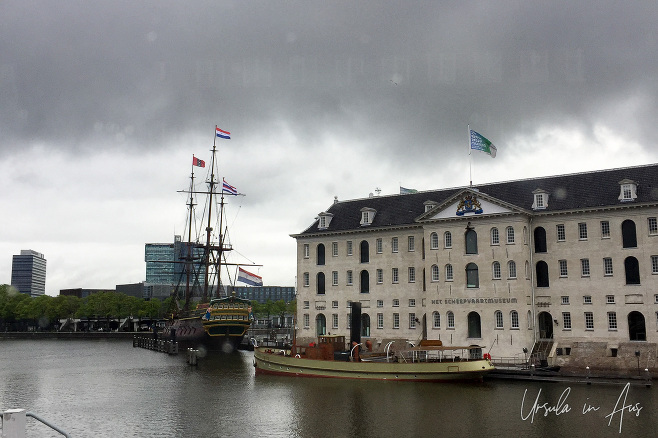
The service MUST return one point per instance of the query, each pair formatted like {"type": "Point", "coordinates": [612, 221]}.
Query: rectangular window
{"type": "Point", "coordinates": [563, 268]}
{"type": "Point", "coordinates": [566, 320]}
{"type": "Point", "coordinates": [380, 320]}
{"type": "Point", "coordinates": [607, 266]}
{"type": "Point", "coordinates": [394, 244]}
{"type": "Point", "coordinates": [394, 275]}
{"type": "Point", "coordinates": [582, 231]}
{"type": "Point", "coordinates": [334, 320]}
{"type": "Point", "coordinates": [334, 249]}
{"type": "Point", "coordinates": [334, 304]}
{"type": "Point", "coordinates": [653, 225]}
{"type": "Point", "coordinates": [307, 251]}
{"type": "Point", "coordinates": [565, 300]}
{"type": "Point", "coordinates": [307, 320]}
{"type": "Point", "coordinates": [589, 321]}
{"type": "Point", "coordinates": [334, 278]}
{"type": "Point", "coordinates": [411, 243]}
{"type": "Point", "coordinates": [584, 267]}
{"type": "Point", "coordinates": [379, 246]}
{"type": "Point", "coordinates": [561, 234]}
{"type": "Point", "coordinates": [654, 264]}
{"type": "Point", "coordinates": [380, 276]}
{"type": "Point", "coordinates": [610, 299]}
{"type": "Point", "coordinates": [349, 248]}
{"type": "Point", "coordinates": [396, 320]}
{"type": "Point", "coordinates": [349, 278]}
{"type": "Point", "coordinates": [306, 304]}
{"type": "Point", "coordinates": [587, 299]}
{"type": "Point", "coordinates": [380, 303]}
{"type": "Point", "coordinates": [412, 320]}
{"type": "Point", "coordinates": [396, 302]}
{"type": "Point", "coordinates": [412, 274]}
{"type": "Point", "coordinates": [605, 230]}
{"type": "Point", "coordinates": [306, 279]}
{"type": "Point", "coordinates": [612, 320]}
{"type": "Point", "coordinates": [412, 302]}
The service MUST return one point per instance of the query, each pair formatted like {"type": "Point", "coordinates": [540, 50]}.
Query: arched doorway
{"type": "Point", "coordinates": [637, 330]}
{"type": "Point", "coordinates": [321, 325]}
{"type": "Point", "coordinates": [628, 234]}
{"type": "Point", "coordinates": [365, 325]}
{"type": "Point", "coordinates": [474, 325]}
{"type": "Point", "coordinates": [542, 274]}
{"type": "Point", "coordinates": [545, 325]}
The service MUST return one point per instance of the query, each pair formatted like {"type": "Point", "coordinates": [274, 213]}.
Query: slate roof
{"type": "Point", "coordinates": [578, 191]}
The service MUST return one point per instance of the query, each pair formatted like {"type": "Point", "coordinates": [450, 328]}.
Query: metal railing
{"type": "Point", "coordinates": [14, 423]}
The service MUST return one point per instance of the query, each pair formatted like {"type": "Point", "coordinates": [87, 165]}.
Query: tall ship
{"type": "Point", "coordinates": [219, 320]}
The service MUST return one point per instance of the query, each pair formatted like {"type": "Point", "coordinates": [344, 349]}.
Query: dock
{"type": "Point", "coordinates": [150, 343]}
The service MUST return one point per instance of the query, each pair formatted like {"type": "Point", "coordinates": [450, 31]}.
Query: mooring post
{"type": "Point", "coordinates": [13, 423]}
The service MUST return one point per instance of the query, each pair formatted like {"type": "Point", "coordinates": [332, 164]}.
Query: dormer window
{"type": "Point", "coordinates": [628, 190]}
{"type": "Point", "coordinates": [429, 205]}
{"type": "Point", "coordinates": [367, 216]}
{"type": "Point", "coordinates": [324, 220]}
{"type": "Point", "coordinates": [540, 199]}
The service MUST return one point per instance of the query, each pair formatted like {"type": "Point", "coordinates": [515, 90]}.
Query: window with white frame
{"type": "Point", "coordinates": [380, 320]}
{"type": "Point", "coordinates": [394, 244]}
{"type": "Point", "coordinates": [495, 238]}
{"type": "Point", "coordinates": [334, 278]}
{"type": "Point", "coordinates": [612, 320]}
{"type": "Point", "coordinates": [566, 320]}
{"type": "Point", "coordinates": [563, 268]}
{"type": "Point", "coordinates": [307, 304]}
{"type": "Point", "coordinates": [561, 233]}
{"type": "Point", "coordinates": [412, 274]}
{"type": "Point", "coordinates": [582, 231]}
{"type": "Point", "coordinates": [447, 239]}
{"type": "Point", "coordinates": [587, 299]}
{"type": "Point", "coordinates": [307, 321]}
{"type": "Point", "coordinates": [306, 279]}
{"type": "Point", "coordinates": [380, 303]}
{"type": "Point", "coordinates": [396, 302]}
{"type": "Point", "coordinates": [435, 273]}
{"type": "Point", "coordinates": [412, 320]}
{"type": "Point", "coordinates": [565, 299]}
{"type": "Point", "coordinates": [334, 321]}
{"type": "Point", "coordinates": [584, 267]}
{"type": "Point", "coordinates": [411, 243]}
{"type": "Point", "coordinates": [514, 317]}
{"type": "Point", "coordinates": [449, 273]}
{"type": "Point", "coordinates": [412, 302]}
{"type": "Point", "coordinates": [511, 269]}
{"type": "Point", "coordinates": [349, 278]}
{"type": "Point", "coordinates": [349, 248]}
{"type": "Point", "coordinates": [495, 268]}
{"type": "Point", "coordinates": [307, 250]}
{"type": "Point", "coordinates": [653, 225]}
{"type": "Point", "coordinates": [334, 304]}
{"type": "Point", "coordinates": [380, 276]}
{"type": "Point", "coordinates": [498, 315]}
{"type": "Point", "coordinates": [451, 320]}
{"type": "Point", "coordinates": [395, 276]}
{"type": "Point", "coordinates": [540, 203]}
{"type": "Point", "coordinates": [436, 320]}
{"type": "Point", "coordinates": [605, 230]}
{"type": "Point", "coordinates": [379, 245]}
{"type": "Point", "coordinates": [510, 235]}
{"type": "Point", "coordinates": [610, 299]}
{"type": "Point", "coordinates": [607, 266]}
{"type": "Point", "coordinates": [589, 321]}
{"type": "Point", "coordinates": [396, 320]}
{"type": "Point", "coordinates": [434, 241]}
{"type": "Point", "coordinates": [654, 264]}
{"type": "Point", "coordinates": [334, 249]}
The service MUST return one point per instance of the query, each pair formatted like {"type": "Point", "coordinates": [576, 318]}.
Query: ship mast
{"type": "Point", "coordinates": [211, 191]}
{"type": "Point", "coordinates": [189, 252]}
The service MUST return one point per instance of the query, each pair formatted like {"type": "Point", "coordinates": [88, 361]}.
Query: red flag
{"type": "Point", "coordinates": [197, 162]}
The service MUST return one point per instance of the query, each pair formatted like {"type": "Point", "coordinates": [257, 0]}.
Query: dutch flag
{"type": "Point", "coordinates": [249, 278]}
{"type": "Point", "coordinates": [227, 188]}
{"type": "Point", "coordinates": [222, 134]}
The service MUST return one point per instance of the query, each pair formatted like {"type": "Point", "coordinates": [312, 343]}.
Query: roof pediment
{"type": "Point", "coordinates": [469, 203]}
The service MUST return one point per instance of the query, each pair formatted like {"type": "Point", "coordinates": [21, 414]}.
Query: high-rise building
{"type": "Point", "coordinates": [165, 263]}
{"type": "Point", "coordinates": [28, 272]}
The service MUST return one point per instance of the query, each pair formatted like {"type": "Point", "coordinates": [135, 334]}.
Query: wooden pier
{"type": "Point", "coordinates": [162, 345]}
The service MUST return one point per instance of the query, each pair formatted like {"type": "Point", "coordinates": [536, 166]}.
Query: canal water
{"type": "Point", "coordinates": [107, 388]}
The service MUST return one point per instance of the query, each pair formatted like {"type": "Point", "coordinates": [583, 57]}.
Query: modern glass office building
{"type": "Point", "coordinates": [28, 272]}
{"type": "Point", "coordinates": [165, 263]}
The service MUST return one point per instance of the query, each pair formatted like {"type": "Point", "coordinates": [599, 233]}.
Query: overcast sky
{"type": "Point", "coordinates": [103, 104]}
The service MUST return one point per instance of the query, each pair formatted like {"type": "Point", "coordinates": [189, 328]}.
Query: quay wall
{"type": "Point", "coordinates": [71, 335]}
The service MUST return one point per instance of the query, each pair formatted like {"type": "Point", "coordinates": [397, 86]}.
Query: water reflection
{"type": "Point", "coordinates": [108, 388]}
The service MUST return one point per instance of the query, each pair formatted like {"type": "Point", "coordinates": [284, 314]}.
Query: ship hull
{"type": "Point", "coordinates": [192, 333]}
{"type": "Point", "coordinates": [280, 364]}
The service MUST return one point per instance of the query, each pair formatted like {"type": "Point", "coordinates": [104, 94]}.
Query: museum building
{"type": "Point", "coordinates": [565, 267]}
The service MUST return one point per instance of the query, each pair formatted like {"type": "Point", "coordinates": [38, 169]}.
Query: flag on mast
{"type": "Point", "coordinates": [197, 162]}
{"type": "Point", "coordinates": [249, 278]}
{"type": "Point", "coordinates": [222, 134]}
{"type": "Point", "coordinates": [480, 143]}
{"type": "Point", "coordinates": [227, 188]}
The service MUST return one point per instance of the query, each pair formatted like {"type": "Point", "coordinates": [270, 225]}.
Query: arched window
{"type": "Point", "coordinates": [511, 269]}
{"type": "Point", "coordinates": [365, 282]}
{"type": "Point", "coordinates": [365, 325]}
{"type": "Point", "coordinates": [628, 235]}
{"type": "Point", "coordinates": [471, 238]}
{"type": "Point", "coordinates": [449, 273]}
{"type": "Point", "coordinates": [498, 317]}
{"type": "Point", "coordinates": [637, 330]}
{"type": "Point", "coordinates": [447, 239]}
{"type": "Point", "coordinates": [434, 241]}
{"type": "Point", "coordinates": [495, 268]}
{"type": "Point", "coordinates": [320, 282]}
{"type": "Point", "coordinates": [509, 231]}
{"type": "Point", "coordinates": [472, 279]}
{"type": "Point", "coordinates": [527, 270]}
{"type": "Point", "coordinates": [542, 274]}
{"type": "Point", "coordinates": [435, 273]}
{"type": "Point", "coordinates": [320, 325]}
{"type": "Point", "coordinates": [632, 270]}
{"type": "Point", "coordinates": [436, 318]}
{"type": "Point", "coordinates": [451, 320]}
{"type": "Point", "coordinates": [495, 238]}
{"type": "Point", "coordinates": [320, 251]}
{"type": "Point", "coordinates": [474, 325]}
{"type": "Point", "coordinates": [514, 316]}
{"type": "Point", "coordinates": [540, 239]}
{"type": "Point", "coordinates": [529, 320]}
{"type": "Point", "coordinates": [525, 235]}
{"type": "Point", "coordinates": [365, 252]}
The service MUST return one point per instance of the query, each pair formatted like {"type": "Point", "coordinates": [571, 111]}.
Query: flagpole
{"type": "Point", "coordinates": [470, 169]}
